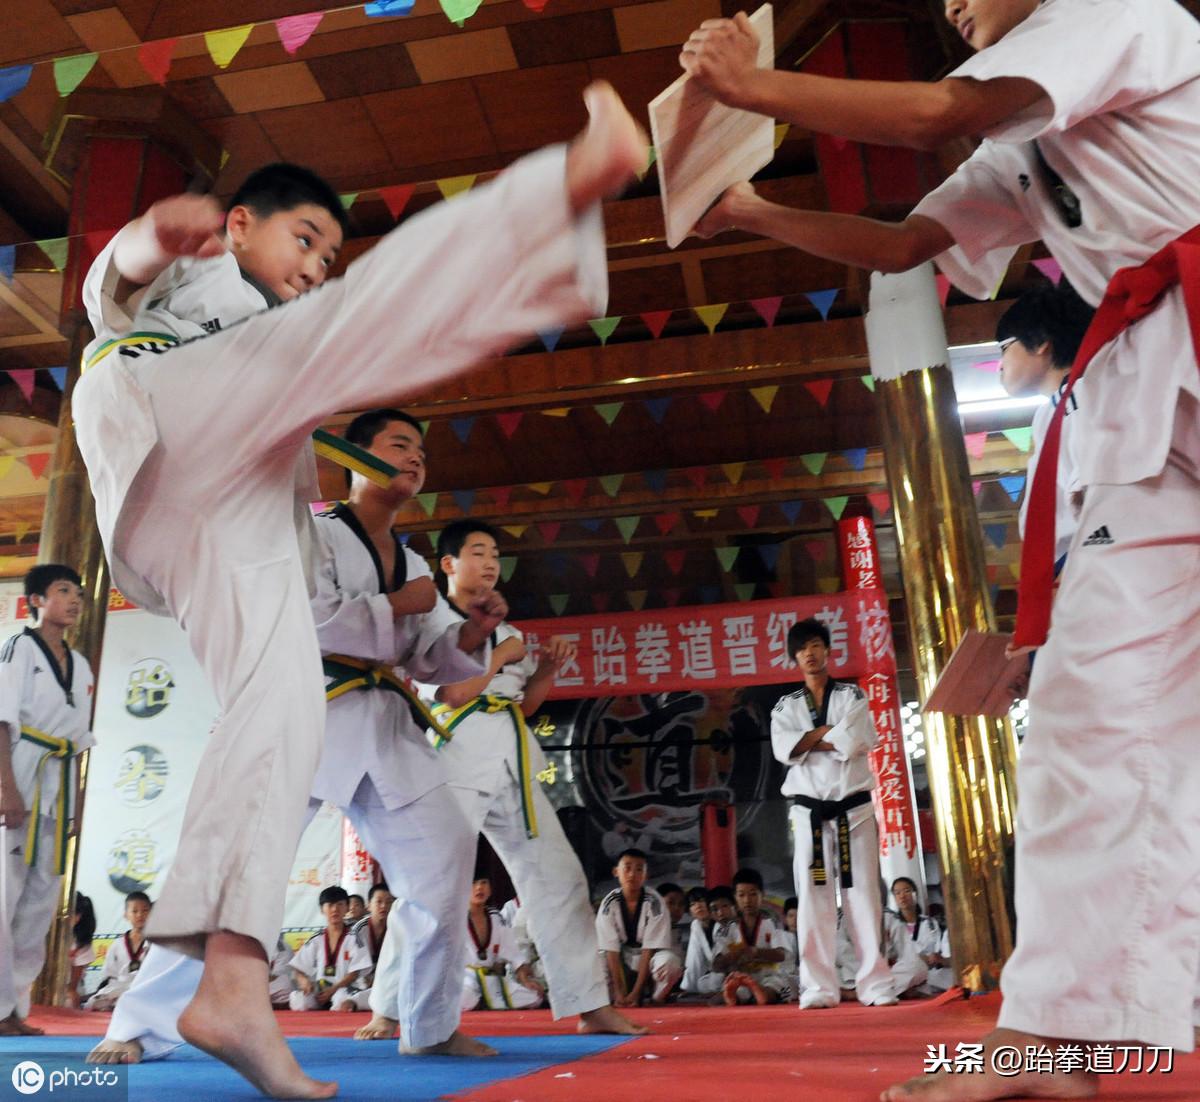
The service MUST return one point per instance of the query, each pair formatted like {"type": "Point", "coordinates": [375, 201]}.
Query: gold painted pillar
{"type": "Point", "coordinates": [120, 151]}
{"type": "Point", "coordinates": [971, 760]}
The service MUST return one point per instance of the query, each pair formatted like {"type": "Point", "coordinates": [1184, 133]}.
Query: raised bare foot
{"type": "Point", "coordinates": [608, 1019]}
{"type": "Point", "coordinates": [988, 1084]}
{"type": "Point", "coordinates": [457, 1044]}
{"type": "Point", "coordinates": [230, 1017]}
{"type": "Point", "coordinates": [378, 1028]}
{"type": "Point", "coordinates": [610, 151]}
{"type": "Point", "coordinates": [116, 1052]}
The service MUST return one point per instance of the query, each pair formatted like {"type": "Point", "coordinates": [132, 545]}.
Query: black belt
{"type": "Point", "coordinates": [825, 811]}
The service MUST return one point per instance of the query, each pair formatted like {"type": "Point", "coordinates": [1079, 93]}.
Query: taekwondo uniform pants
{"type": "Point", "coordinates": [816, 919]}
{"type": "Point", "coordinates": [552, 888]}
{"type": "Point", "coordinates": [1108, 828]}
{"type": "Point", "coordinates": [30, 897]}
{"type": "Point", "coordinates": [209, 520]}
{"type": "Point", "coordinates": [666, 970]}
{"type": "Point", "coordinates": [487, 991]}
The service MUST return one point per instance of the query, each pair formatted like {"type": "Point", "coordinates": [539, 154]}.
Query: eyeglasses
{"type": "Point", "coordinates": [1006, 344]}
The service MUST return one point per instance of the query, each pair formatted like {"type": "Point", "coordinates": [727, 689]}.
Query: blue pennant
{"type": "Point", "coordinates": [1013, 485]}
{"type": "Point", "coordinates": [592, 524]}
{"type": "Point", "coordinates": [997, 533]}
{"type": "Point", "coordinates": [656, 480]}
{"type": "Point", "coordinates": [59, 375]}
{"type": "Point", "coordinates": [710, 594]}
{"type": "Point", "coordinates": [389, 7]}
{"type": "Point", "coordinates": [791, 510]}
{"type": "Point", "coordinates": [822, 300]}
{"type": "Point", "coordinates": [657, 408]}
{"type": "Point", "coordinates": [8, 261]}
{"type": "Point", "coordinates": [769, 553]}
{"type": "Point", "coordinates": [857, 457]}
{"type": "Point", "coordinates": [551, 337]}
{"type": "Point", "coordinates": [464, 499]}
{"type": "Point", "coordinates": [12, 80]}
{"type": "Point", "coordinates": [462, 427]}
{"type": "Point", "coordinates": [557, 562]}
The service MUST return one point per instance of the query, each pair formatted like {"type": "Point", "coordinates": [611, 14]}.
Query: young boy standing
{"type": "Point", "coordinates": [1092, 113]}
{"type": "Point", "coordinates": [823, 734]}
{"type": "Point", "coordinates": [45, 717]}
{"type": "Point", "coordinates": [634, 932]}
{"type": "Point", "coordinates": [493, 761]}
{"type": "Point", "coordinates": [195, 433]}
{"type": "Point", "coordinates": [327, 965]}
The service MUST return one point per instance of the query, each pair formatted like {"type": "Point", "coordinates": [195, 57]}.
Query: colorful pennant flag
{"type": "Point", "coordinates": [59, 375]}
{"type": "Point", "coordinates": [822, 300]}
{"type": "Point", "coordinates": [70, 71]}
{"type": "Point", "coordinates": [395, 197]}
{"type": "Point", "coordinates": [348, 199]}
{"type": "Point", "coordinates": [881, 502]}
{"type": "Point", "coordinates": [56, 249]}
{"type": "Point", "coordinates": [856, 457]}
{"type": "Point", "coordinates": [1022, 438]}
{"type": "Point", "coordinates": [671, 596]}
{"type": "Point", "coordinates": [542, 488]}
{"type": "Point", "coordinates": [664, 522]}
{"type": "Point", "coordinates": [711, 315]}
{"type": "Point", "coordinates": [733, 472]}
{"type": "Point", "coordinates": [609, 411]}
{"type": "Point", "coordinates": [24, 378]}
{"type": "Point", "coordinates": [820, 389]}
{"type": "Point", "coordinates": [837, 506]}
{"type": "Point", "coordinates": [997, 534]}
{"type": "Point", "coordinates": [558, 602]}
{"type": "Point", "coordinates": [295, 30]}
{"type": "Point", "coordinates": [744, 590]}
{"type": "Point", "coordinates": [428, 502]}
{"type": "Point", "coordinates": [462, 427]}
{"type": "Point", "coordinates": [657, 408]}
{"type": "Point", "coordinates": [591, 563]}
{"type": "Point", "coordinates": [1014, 568]}
{"type": "Point", "coordinates": [697, 476]}
{"type": "Point", "coordinates": [464, 499]}
{"type": "Point", "coordinates": [592, 524]}
{"type": "Point", "coordinates": [550, 338]}
{"type": "Point", "coordinates": [767, 308]}
{"type": "Point", "coordinates": [749, 514]}
{"type": "Point", "coordinates": [500, 495]}
{"type": "Point", "coordinates": [712, 399]}
{"type": "Point", "coordinates": [636, 599]}
{"type": "Point", "coordinates": [632, 561]}
{"type": "Point", "coordinates": [791, 510]}
{"type": "Point", "coordinates": [656, 321]}
{"type": "Point", "coordinates": [22, 529]}
{"type": "Point", "coordinates": [549, 529]}
{"type": "Point", "coordinates": [781, 129]}
{"type": "Point", "coordinates": [774, 468]}
{"type": "Point", "coordinates": [600, 602]}
{"type": "Point", "coordinates": [827, 585]}
{"type": "Point", "coordinates": [459, 11]}
{"type": "Point", "coordinates": [943, 288]}
{"type": "Point", "coordinates": [453, 186]}
{"type": "Point", "coordinates": [516, 530]}
{"type": "Point", "coordinates": [575, 489]}
{"type": "Point", "coordinates": [626, 526]}
{"type": "Point", "coordinates": [674, 560]}
{"type": "Point", "coordinates": [37, 462]}
{"type": "Point", "coordinates": [224, 46]}
{"type": "Point", "coordinates": [976, 486]}
{"type": "Point", "coordinates": [13, 80]}
{"type": "Point", "coordinates": [868, 381]}
{"type": "Point", "coordinates": [1050, 268]}
{"type": "Point", "coordinates": [557, 411]}
{"type": "Point", "coordinates": [769, 553]}
{"type": "Point", "coordinates": [765, 396]}
{"type": "Point", "coordinates": [705, 514]}
{"type": "Point", "coordinates": [7, 462]}
{"type": "Point", "coordinates": [817, 549]}
{"type": "Point", "coordinates": [976, 443]}
{"type": "Point", "coordinates": [655, 480]}
{"type": "Point", "coordinates": [508, 565]}
{"type": "Point", "coordinates": [814, 461]}
{"type": "Point", "coordinates": [8, 261]}
{"type": "Point", "coordinates": [509, 421]}
{"type": "Point", "coordinates": [1013, 485]}
{"type": "Point", "coordinates": [388, 7]}
{"type": "Point", "coordinates": [726, 556]}
{"type": "Point", "coordinates": [611, 483]}
{"type": "Point", "coordinates": [604, 327]}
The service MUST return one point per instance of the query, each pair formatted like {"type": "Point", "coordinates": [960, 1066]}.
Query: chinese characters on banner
{"type": "Point", "coordinates": [894, 804]}
{"type": "Point", "coordinates": [710, 646]}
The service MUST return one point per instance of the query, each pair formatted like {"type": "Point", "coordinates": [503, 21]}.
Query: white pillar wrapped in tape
{"type": "Point", "coordinates": [906, 330]}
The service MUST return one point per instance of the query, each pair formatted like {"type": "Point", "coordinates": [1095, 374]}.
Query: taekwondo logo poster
{"type": "Point", "coordinates": [153, 714]}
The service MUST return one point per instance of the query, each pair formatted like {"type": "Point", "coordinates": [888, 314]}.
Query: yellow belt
{"type": "Point", "coordinates": [332, 447]}
{"type": "Point", "coordinates": [350, 673]}
{"type": "Point", "coordinates": [480, 974]}
{"type": "Point", "coordinates": [488, 704]}
{"type": "Point", "coordinates": [62, 749]}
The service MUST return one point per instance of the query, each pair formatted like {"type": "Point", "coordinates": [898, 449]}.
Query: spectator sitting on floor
{"type": "Point", "coordinates": [125, 955]}
{"type": "Point", "coordinates": [925, 934]}
{"type": "Point", "coordinates": [83, 951]}
{"type": "Point", "coordinates": [909, 971]}
{"type": "Point", "coordinates": [497, 976]}
{"type": "Point", "coordinates": [356, 911]}
{"type": "Point", "coordinates": [326, 966]}
{"type": "Point", "coordinates": [752, 952]}
{"type": "Point", "coordinates": [712, 923]}
{"type": "Point", "coordinates": [674, 898]}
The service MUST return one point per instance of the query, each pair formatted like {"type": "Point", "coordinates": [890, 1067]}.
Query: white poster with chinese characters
{"type": "Point", "coordinates": [153, 714]}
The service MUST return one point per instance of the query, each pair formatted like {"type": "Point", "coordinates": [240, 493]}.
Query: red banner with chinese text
{"type": "Point", "coordinates": [718, 646]}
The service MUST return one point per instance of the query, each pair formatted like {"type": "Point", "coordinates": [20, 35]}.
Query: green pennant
{"type": "Point", "coordinates": [508, 563]}
{"type": "Point", "coordinates": [611, 483]}
{"type": "Point", "coordinates": [869, 382]}
{"type": "Point", "coordinates": [459, 11]}
{"type": "Point", "coordinates": [815, 461]}
{"type": "Point", "coordinates": [56, 249]}
{"type": "Point", "coordinates": [726, 556]}
{"type": "Point", "coordinates": [604, 327]}
{"type": "Point", "coordinates": [558, 602]}
{"type": "Point", "coordinates": [70, 71]}
{"type": "Point", "coordinates": [609, 411]}
{"type": "Point", "coordinates": [425, 427]}
{"type": "Point", "coordinates": [348, 199]}
{"type": "Point", "coordinates": [744, 590]}
{"type": "Point", "coordinates": [1020, 438]}
{"type": "Point", "coordinates": [837, 506]}
{"type": "Point", "coordinates": [627, 526]}
{"type": "Point", "coordinates": [428, 502]}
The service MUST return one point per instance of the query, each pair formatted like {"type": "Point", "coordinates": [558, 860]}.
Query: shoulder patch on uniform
{"type": "Point", "coordinates": [608, 900]}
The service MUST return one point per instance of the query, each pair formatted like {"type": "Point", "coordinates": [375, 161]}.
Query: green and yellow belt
{"type": "Point", "coordinates": [489, 704]}
{"type": "Point", "coordinates": [63, 750]}
{"type": "Point", "coordinates": [326, 444]}
{"type": "Point", "coordinates": [349, 673]}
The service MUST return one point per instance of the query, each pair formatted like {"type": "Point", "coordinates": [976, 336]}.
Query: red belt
{"type": "Point", "coordinates": [1132, 294]}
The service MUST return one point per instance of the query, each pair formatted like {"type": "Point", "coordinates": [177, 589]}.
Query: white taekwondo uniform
{"type": "Point", "coordinates": [898, 948]}
{"type": "Point", "coordinates": [699, 978]}
{"type": "Point", "coordinates": [484, 987]}
{"type": "Point", "coordinates": [1109, 772]}
{"type": "Point", "coordinates": [485, 774]}
{"type": "Point", "coordinates": [764, 935]}
{"type": "Point", "coordinates": [325, 963]}
{"type": "Point", "coordinates": [205, 447]}
{"type": "Point", "coordinates": [42, 706]}
{"type": "Point", "coordinates": [648, 928]}
{"type": "Point", "coordinates": [122, 963]}
{"type": "Point", "coordinates": [832, 778]}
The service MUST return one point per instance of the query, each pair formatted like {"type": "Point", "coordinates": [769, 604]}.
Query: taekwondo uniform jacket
{"type": "Point", "coordinates": [649, 929]}
{"type": "Point", "coordinates": [326, 964]}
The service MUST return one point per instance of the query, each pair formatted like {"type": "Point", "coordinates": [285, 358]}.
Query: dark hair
{"type": "Point", "coordinates": [137, 897]}
{"type": "Point", "coordinates": [455, 534]}
{"type": "Point", "coordinates": [333, 895]}
{"type": "Point", "coordinates": [85, 925]}
{"type": "Point", "coordinates": [696, 895]}
{"type": "Point", "coordinates": [355, 895]}
{"type": "Point", "coordinates": [637, 854]}
{"type": "Point", "coordinates": [284, 186]}
{"type": "Point", "coordinates": [791, 903]}
{"type": "Point", "coordinates": [667, 886]}
{"type": "Point", "coordinates": [748, 876]}
{"type": "Point", "coordinates": [721, 891]}
{"type": "Point", "coordinates": [366, 426]}
{"type": "Point", "coordinates": [800, 633]}
{"type": "Point", "coordinates": [43, 576]}
{"type": "Point", "coordinates": [1048, 315]}
{"type": "Point", "coordinates": [376, 889]}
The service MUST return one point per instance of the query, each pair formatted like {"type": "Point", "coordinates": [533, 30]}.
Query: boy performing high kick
{"type": "Point", "coordinates": [1092, 111]}
{"type": "Point", "coordinates": [205, 447]}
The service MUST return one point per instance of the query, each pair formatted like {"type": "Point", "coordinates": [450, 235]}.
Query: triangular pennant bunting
{"type": "Point", "coordinates": [822, 300]}
{"type": "Point", "coordinates": [462, 427]}
{"type": "Point", "coordinates": [13, 79]}
{"type": "Point", "coordinates": [558, 411]}
{"type": "Point", "coordinates": [1013, 485]}
{"type": "Point", "coordinates": [558, 602]}
{"type": "Point", "coordinates": [997, 534]}
{"type": "Point", "coordinates": [655, 321]}
{"type": "Point", "coordinates": [774, 468]}
{"type": "Point", "coordinates": [549, 529]}
{"type": "Point", "coordinates": [943, 288]}
{"type": "Point", "coordinates": [542, 488]}
{"type": "Point", "coordinates": [508, 422]}
{"type": "Point", "coordinates": [56, 249]}
{"type": "Point", "coordinates": [765, 396]}
{"type": "Point", "coordinates": [70, 71]}
{"type": "Point", "coordinates": [591, 563]}
{"type": "Point", "coordinates": [550, 339]}
{"type": "Point", "coordinates": [711, 315]}
{"type": "Point", "coordinates": [868, 381]}
{"type": "Point", "coordinates": [781, 129]}
{"type": "Point", "coordinates": [22, 530]}
{"type": "Point", "coordinates": [791, 510]}
{"type": "Point", "coordinates": [224, 46]}
{"type": "Point", "coordinates": [674, 561]}
{"type": "Point", "coordinates": [632, 561]}
{"type": "Point", "coordinates": [459, 11]}
{"type": "Point", "coordinates": [396, 197]}
{"type": "Point", "coordinates": [348, 199]}
{"type": "Point", "coordinates": [575, 489]}
{"type": "Point", "coordinates": [820, 389]}
{"type": "Point", "coordinates": [508, 565]}
{"type": "Point", "coordinates": [726, 557]}
{"type": "Point", "coordinates": [976, 443]}
{"type": "Point", "coordinates": [767, 308]}
{"type": "Point", "coordinates": [626, 526]}
{"type": "Point", "coordinates": [697, 476]}
{"type": "Point", "coordinates": [1050, 268]}
{"type": "Point", "coordinates": [636, 599]}
{"type": "Point", "coordinates": [600, 602]}
{"type": "Point", "coordinates": [1021, 438]}
{"type": "Point", "coordinates": [881, 502]}
{"type": "Point", "coordinates": [769, 553]}
{"type": "Point", "coordinates": [609, 411]}
{"type": "Point", "coordinates": [837, 506]}
{"type": "Point", "coordinates": [453, 186]}
{"type": "Point", "coordinates": [388, 7]}
{"type": "Point", "coordinates": [464, 499]}
{"type": "Point", "coordinates": [295, 30]}
{"type": "Point", "coordinates": [733, 472]}
{"type": "Point", "coordinates": [37, 463]}
{"type": "Point", "coordinates": [8, 261]}
{"type": "Point", "coordinates": [24, 378]}
{"type": "Point", "coordinates": [712, 399]}
{"type": "Point", "coordinates": [657, 408]}
{"type": "Point", "coordinates": [516, 530]}
{"type": "Point", "coordinates": [604, 327]}
{"type": "Point", "coordinates": [59, 375]}
{"type": "Point", "coordinates": [814, 461]}
{"type": "Point", "coordinates": [7, 462]}
{"type": "Point", "coordinates": [428, 502]}
{"type": "Point", "coordinates": [500, 495]}
{"type": "Point", "coordinates": [655, 480]}
{"type": "Point", "coordinates": [744, 590]}
{"type": "Point", "coordinates": [664, 522]}
{"type": "Point", "coordinates": [1014, 568]}
{"type": "Point", "coordinates": [611, 483]}
{"type": "Point", "coordinates": [856, 457]}
{"type": "Point", "coordinates": [749, 514]}
{"type": "Point", "coordinates": [705, 514]}
{"type": "Point", "coordinates": [671, 596]}
{"type": "Point", "coordinates": [817, 550]}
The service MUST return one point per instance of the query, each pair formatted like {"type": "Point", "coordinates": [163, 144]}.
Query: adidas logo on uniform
{"type": "Point", "coordinates": [1099, 537]}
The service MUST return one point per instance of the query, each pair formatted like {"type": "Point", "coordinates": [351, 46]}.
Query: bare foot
{"type": "Point", "coordinates": [610, 151]}
{"type": "Point", "coordinates": [608, 1019]}
{"type": "Point", "coordinates": [378, 1028]}
{"type": "Point", "coordinates": [756, 989]}
{"type": "Point", "coordinates": [16, 1026]}
{"type": "Point", "coordinates": [729, 991]}
{"type": "Point", "coordinates": [116, 1052]}
{"type": "Point", "coordinates": [457, 1044]}
{"type": "Point", "coordinates": [230, 1017]}
{"type": "Point", "coordinates": [981, 1087]}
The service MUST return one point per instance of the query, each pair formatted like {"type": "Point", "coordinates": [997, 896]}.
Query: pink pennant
{"type": "Point", "coordinates": [396, 198]}
{"type": "Point", "coordinates": [712, 399]}
{"type": "Point", "coordinates": [881, 502]}
{"type": "Point", "coordinates": [1050, 268]}
{"type": "Point", "coordinates": [549, 529]}
{"type": "Point", "coordinates": [976, 442]}
{"type": "Point", "coordinates": [591, 563]}
{"type": "Point", "coordinates": [501, 494]}
{"type": "Point", "coordinates": [749, 514]}
{"type": "Point", "coordinates": [674, 560]}
{"type": "Point", "coordinates": [155, 57]}
{"type": "Point", "coordinates": [774, 468]}
{"type": "Point", "coordinates": [817, 550]}
{"type": "Point", "coordinates": [600, 602]}
{"type": "Point", "coordinates": [508, 422]}
{"type": "Point", "coordinates": [664, 522]}
{"type": "Point", "coordinates": [36, 463]}
{"type": "Point", "coordinates": [575, 487]}
{"type": "Point", "coordinates": [943, 287]}
{"type": "Point", "coordinates": [820, 389]}
{"type": "Point", "coordinates": [655, 321]}
{"type": "Point", "coordinates": [976, 486]}
{"type": "Point", "coordinates": [767, 308]}
{"type": "Point", "coordinates": [295, 30]}
{"type": "Point", "coordinates": [24, 377]}
{"type": "Point", "coordinates": [697, 476]}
